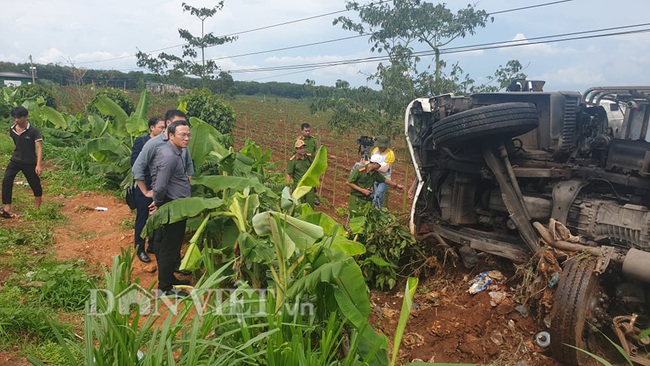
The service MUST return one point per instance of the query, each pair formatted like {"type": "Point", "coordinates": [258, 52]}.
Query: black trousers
{"type": "Point", "coordinates": [141, 215]}
{"type": "Point", "coordinates": [29, 170]}
{"type": "Point", "coordinates": [168, 254]}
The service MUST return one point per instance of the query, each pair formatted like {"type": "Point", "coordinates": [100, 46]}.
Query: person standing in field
{"type": "Point", "coordinates": [361, 183]}
{"type": "Point", "coordinates": [27, 157]}
{"type": "Point", "coordinates": [311, 145]}
{"type": "Point", "coordinates": [382, 148]}
{"type": "Point", "coordinates": [297, 166]}
{"type": "Point", "coordinates": [156, 127]}
{"type": "Point", "coordinates": [146, 158]}
{"type": "Point", "coordinates": [170, 183]}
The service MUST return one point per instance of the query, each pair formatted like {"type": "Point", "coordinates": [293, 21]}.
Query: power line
{"type": "Point", "coordinates": [478, 47]}
{"type": "Point", "coordinates": [243, 32]}
{"type": "Point", "coordinates": [298, 21]}
{"type": "Point", "coordinates": [453, 49]}
{"type": "Point", "coordinates": [289, 47]}
{"type": "Point", "coordinates": [530, 7]}
{"type": "Point", "coordinates": [361, 35]}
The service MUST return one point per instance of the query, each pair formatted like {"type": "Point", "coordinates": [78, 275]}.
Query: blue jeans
{"type": "Point", "coordinates": [379, 191]}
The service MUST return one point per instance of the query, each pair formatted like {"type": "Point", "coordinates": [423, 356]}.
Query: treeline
{"type": "Point", "coordinates": [223, 84]}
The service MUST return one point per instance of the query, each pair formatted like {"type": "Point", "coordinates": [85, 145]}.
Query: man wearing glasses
{"type": "Point", "coordinates": [170, 183]}
{"type": "Point", "coordinates": [145, 162]}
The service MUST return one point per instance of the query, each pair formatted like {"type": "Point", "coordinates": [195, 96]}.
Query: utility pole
{"type": "Point", "coordinates": [32, 69]}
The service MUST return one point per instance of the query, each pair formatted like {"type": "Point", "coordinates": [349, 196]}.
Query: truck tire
{"type": "Point", "coordinates": [575, 304]}
{"type": "Point", "coordinates": [503, 121]}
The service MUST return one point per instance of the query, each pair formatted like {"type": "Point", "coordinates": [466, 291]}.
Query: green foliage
{"type": "Point", "coordinates": [241, 214]}
{"type": "Point", "coordinates": [33, 92]}
{"type": "Point", "coordinates": [25, 94]}
{"type": "Point", "coordinates": [387, 240]}
{"type": "Point", "coordinates": [50, 352]}
{"type": "Point", "coordinates": [502, 77]}
{"type": "Point", "coordinates": [63, 285]}
{"type": "Point", "coordinates": [208, 107]}
{"type": "Point", "coordinates": [117, 96]}
{"type": "Point", "coordinates": [12, 237]}
{"type": "Point", "coordinates": [240, 328]}
{"type": "Point", "coordinates": [407, 303]}
{"type": "Point", "coordinates": [18, 319]}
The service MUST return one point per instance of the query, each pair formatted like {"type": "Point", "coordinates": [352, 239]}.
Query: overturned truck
{"type": "Point", "coordinates": [493, 169]}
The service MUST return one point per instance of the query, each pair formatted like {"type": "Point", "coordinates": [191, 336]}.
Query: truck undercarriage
{"type": "Point", "coordinates": [495, 169]}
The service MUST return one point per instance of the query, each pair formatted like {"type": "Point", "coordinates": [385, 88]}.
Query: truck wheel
{"type": "Point", "coordinates": [503, 120]}
{"type": "Point", "coordinates": [577, 304]}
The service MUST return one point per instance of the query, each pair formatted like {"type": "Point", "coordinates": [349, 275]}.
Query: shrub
{"type": "Point", "coordinates": [33, 91]}
{"type": "Point", "coordinates": [115, 95]}
{"type": "Point", "coordinates": [388, 243]}
{"type": "Point", "coordinates": [10, 97]}
{"type": "Point", "coordinates": [207, 107]}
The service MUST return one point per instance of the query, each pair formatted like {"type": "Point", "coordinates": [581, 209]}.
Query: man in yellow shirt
{"type": "Point", "coordinates": [382, 149]}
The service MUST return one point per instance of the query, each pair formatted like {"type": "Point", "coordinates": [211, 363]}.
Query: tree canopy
{"type": "Point", "coordinates": [401, 29]}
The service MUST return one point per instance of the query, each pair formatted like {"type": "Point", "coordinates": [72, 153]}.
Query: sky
{"type": "Point", "coordinates": [106, 35]}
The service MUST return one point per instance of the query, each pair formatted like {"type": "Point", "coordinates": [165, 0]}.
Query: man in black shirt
{"type": "Point", "coordinates": [27, 157]}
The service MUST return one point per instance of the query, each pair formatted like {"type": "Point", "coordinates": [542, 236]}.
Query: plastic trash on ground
{"type": "Point", "coordinates": [484, 280]}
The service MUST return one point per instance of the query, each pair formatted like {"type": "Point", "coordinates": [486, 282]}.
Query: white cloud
{"type": "Point", "coordinates": [525, 46]}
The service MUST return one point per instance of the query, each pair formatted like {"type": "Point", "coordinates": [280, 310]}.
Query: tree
{"type": "Point", "coordinates": [173, 66]}
{"type": "Point", "coordinates": [398, 28]}
{"type": "Point", "coordinates": [503, 76]}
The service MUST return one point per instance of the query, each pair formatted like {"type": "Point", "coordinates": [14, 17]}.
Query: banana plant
{"type": "Point", "coordinates": [111, 148]}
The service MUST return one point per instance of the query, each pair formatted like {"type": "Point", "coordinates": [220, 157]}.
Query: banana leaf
{"type": "Point", "coordinates": [54, 116]}
{"type": "Point", "coordinates": [110, 108]}
{"type": "Point", "coordinates": [340, 271]}
{"type": "Point", "coordinates": [254, 249]}
{"type": "Point", "coordinates": [143, 106]}
{"type": "Point", "coordinates": [180, 209]}
{"type": "Point", "coordinates": [243, 208]}
{"type": "Point", "coordinates": [108, 150]}
{"type": "Point", "coordinates": [220, 182]}
{"type": "Point", "coordinates": [296, 232]}
{"type": "Point", "coordinates": [286, 201]}
{"type": "Point", "coordinates": [99, 126]}
{"type": "Point", "coordinates": [323, 220]}
{"type": "Point", "coordinates": [409, 293]}
{"type": "Point", "coordinates": [347, 246]}
{"type": "Point", "coordinates": [311, 178]}
{"type": "Point", "coordinates": [192, 258]}
{"type": "Point", "coordinates": [206, 140]}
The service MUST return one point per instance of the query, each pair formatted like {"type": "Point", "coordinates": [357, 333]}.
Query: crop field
{"type": "Point", "coordinates": [275, 123]}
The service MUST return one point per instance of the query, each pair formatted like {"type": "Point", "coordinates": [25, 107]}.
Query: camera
{"type": "Point", "coordinates": [366, 143]}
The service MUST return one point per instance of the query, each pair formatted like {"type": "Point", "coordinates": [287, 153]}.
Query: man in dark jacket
{"type": "Point", "coordinates": [156, 127]}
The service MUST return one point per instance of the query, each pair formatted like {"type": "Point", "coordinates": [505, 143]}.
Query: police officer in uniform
{"type": "Point", "coordinates": [297, 166]}
{"type": "Point", "coordinates": [362, 181]}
